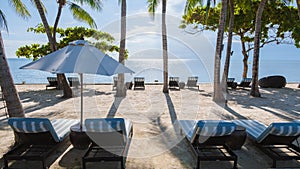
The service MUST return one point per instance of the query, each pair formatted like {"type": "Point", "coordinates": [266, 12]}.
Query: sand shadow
{"type": "Point", "coordinates": [42, 98]}
{"type": "Point", "coordinates": [285, 100]}
{"type": "Point", "coordinates": [114, 107]}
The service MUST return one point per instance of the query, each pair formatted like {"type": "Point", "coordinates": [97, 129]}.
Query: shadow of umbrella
{"type": "Point", "coordinates": [82, 58]}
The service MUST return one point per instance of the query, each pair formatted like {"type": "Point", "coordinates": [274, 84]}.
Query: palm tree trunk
{"type": "Point", "coordinates": [9, 91]}
{"type": "Point", "coordinates": [254, 87]}
{"type": "Point", "coordinates": [62, 80]}
{"type": "Point", "coordinates": [218, 96]}
{"type": "Point", "coordinates": [121, 90]}
{"type": "Point", "coordinates": [229, 44]}
{"type": "Point", "coordinates": [165, 47]}
{"type": "Point", "coordinates": [245, 60]}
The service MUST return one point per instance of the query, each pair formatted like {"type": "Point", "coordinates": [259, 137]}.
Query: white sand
{"type": "Point", "coordinates": [156, 141]}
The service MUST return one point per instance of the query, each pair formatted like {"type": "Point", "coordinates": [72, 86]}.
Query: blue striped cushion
{"type": "Point", "coordinates": [59, 129]}
{"type": "Point", "coordinates": [108, 125]}
{"type": "Point", "coordinates": [281, 129]}
{"type": "Point", "coordinates": [215, 128]}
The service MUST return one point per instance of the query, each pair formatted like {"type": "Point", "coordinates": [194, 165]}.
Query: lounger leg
{"type": "Point", "coordinates": [235, 164]}
{"type": "Point", "coordinates": [274, 164]}
{"type": "Point", "coordinates": [83, 164]}
{"type": "Point", "coordinates": [198, 163]}
{"type": "Point", "coordinates": [122, 163]}
{"type": "Point", "coordinates": [5, 164]}
{"type": "Point", "coordinates": [44, 165]}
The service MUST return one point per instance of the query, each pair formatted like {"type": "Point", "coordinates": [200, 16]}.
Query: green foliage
{"type": "Point", "coordinates": [280, 23]}
{"type": "Point", "coordinates": [101, 40]}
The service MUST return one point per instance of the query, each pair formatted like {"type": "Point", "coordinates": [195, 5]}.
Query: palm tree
{"type": "Point", "coordinates": [78, 14]}
{"type": "Point", "coordinates": [229, 43]}
{"type": "Point", "coordinates": [151, 8]}
{"type": "Point", "coordinates": [11, 96]}
{"type": "Point", "coordinates": [217, 96]}
{"type": "Point", "coordinates": [254, 87]}
{"type": "Point", "coordinates": [121, 91]}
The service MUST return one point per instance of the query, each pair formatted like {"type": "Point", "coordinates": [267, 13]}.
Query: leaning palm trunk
{"type": "Point", "coordinates": [229, 43]}
{"type": "Point", "coordinates": [62, 81]}
{"type": "Point", "coordinates": [165, 47]}
{"type": "Point", "coordinates": [9, 91]}
{"type": "Point", "coordinates": [218, 96]}
{"type": "Point", "coordinates": [254, 87]}
{"type": "Point", "coordinates": [121, 90]}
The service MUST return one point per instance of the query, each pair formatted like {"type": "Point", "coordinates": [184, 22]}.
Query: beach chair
{"type": "Point", "coordinates": [37, 138]}
{"type": "Point", "coordinates": [52, 82]}
{"type": "Point", "coordinates": [208, 139]}
{"type": "Point", "coordinates": [74, 81]}
{"type": "Point", "coordinates": [110, 139]}
{"type": "Point", "coordinates": [231, 83]}
{"type": "Point", "coordinates": [275, 140]}
{"type": "Point", "coordinates": [245, 82]}
{"type": "Point", "coordinates": [192, 82]}
{"type": "Point", "coordinates": [174, 82]}
{"type": "Point", "coordinates": [139, 82]}
{"type": "Point", "coordinates": [115, 82]}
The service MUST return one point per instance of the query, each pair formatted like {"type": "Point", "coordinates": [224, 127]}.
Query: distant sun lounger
{"type": "Point", "coordinates": [174, 82]}
{"type": "Point", "coordinates": [231, 83]}
{"type": "Point", "coordinates": [74, 81]}
{"type": "Point", "coordinates": [192, 82]}
{"type": "Point", "coordinates": [139, 83]}
{"type": "Point", "coordinates": [245, 82]}
{"type": "Point", "coordinates": [52, 82]}
{"type": "Point", "coordinates": [37, 138]}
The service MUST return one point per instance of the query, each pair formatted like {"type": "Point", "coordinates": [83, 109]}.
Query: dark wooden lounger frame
{"type": "Point", "coordinates": [272, 146]}
{"type": "Point", "coordinates": [213, 150]}
{"type": "Point", "coordinates": [231, 83]}
{"type": "Point", "coordinates": [32, 147]}
{"type": "Point", "coordinates": [97, 154]}
{"type": "Point", "coordinates": [73, 81]}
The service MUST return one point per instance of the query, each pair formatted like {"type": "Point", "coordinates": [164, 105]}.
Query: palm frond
{"type": "Point", "coordinates": [94, 4]}
{"type": "Point", "coordinates": [190, 4]}
{"type": "Point", "coordinates": [81, 15]}
{"type": "Point", "coordinates": [3, 21]}
{"type": "Point", "coordinates": [152, 5]}
{"type": "Point", "coordinates": [20, 8]}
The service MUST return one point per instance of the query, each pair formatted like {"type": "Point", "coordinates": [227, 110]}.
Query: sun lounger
{"type": "Point", "coordinates": [192, 82]}
{"type": "Point", "coordinates": [231, 83]}
{"type": "Point", "coordinates": [274, 140]}
{"type": "Point", "coordinates": [52, 82]}
{"type": "Point", "coordinates": [208, 139]}
{"type": "Point", "coordinates": [74, 81]}
{"type": "Point", "coordinates": [110, 138]}
{"type": "Point", "coordinates": [37, 138]}
{"type": "Point", "coordinates": [245, 82]}
{"type": "Point", "coordinates": [139, 82]}
{"type": "Point", "coordinates": [174, 82]}
{"type": "Point", "coordinates": [115, 83]}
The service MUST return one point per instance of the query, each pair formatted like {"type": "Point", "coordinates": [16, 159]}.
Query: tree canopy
{"type": "Point", "coordinates": [101, 40]}
{"type": "Point", "coordinates": [279, 23]}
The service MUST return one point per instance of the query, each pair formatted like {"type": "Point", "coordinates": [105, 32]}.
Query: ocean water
{"type": "Point", "coordinates": [151, 69]}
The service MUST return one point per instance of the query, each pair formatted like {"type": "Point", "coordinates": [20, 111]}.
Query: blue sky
{"type": "Point", "coordinates": [143, 37]}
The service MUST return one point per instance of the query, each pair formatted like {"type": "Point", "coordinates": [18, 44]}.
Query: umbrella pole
{"type": "Point", "coordinates": [81, 100]}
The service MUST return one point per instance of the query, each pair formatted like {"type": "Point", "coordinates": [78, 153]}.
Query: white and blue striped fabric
{"type": "Point", "coordinates": [206, 128]}
{"type": "Point", "coordinates": [259, 131]}
{"type": "Point", "coordinates": [59, 128]}
{"type": "Point", "coordinates": [215, 127]}
{"type": "Point", "coordinates": [108, 125]}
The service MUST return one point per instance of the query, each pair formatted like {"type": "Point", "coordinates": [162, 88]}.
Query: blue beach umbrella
{"type": "Point", "coordinates": [79, 57]}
